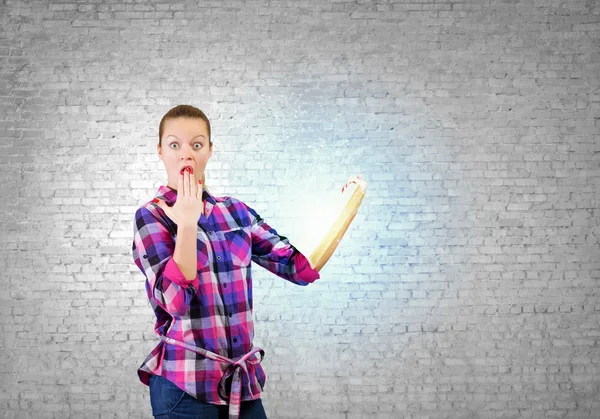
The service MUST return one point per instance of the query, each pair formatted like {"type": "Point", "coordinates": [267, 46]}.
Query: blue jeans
{"type": "Point", "coordinates": [170, 402]}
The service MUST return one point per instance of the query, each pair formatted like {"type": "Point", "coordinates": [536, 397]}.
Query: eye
{"type": "Point", "coordinates": [197, 143]}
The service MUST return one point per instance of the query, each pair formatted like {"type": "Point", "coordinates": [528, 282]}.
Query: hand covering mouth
{"type": "Point", "coordinates": [189, 167]}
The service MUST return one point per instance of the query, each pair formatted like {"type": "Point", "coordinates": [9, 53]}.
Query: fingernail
{"type": "Point", "coordinates": [155, 200]}
{"type": "Point", "coordinates": [200, 181]}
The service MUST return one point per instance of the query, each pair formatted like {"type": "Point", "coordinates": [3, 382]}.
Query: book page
{"type": "Point", "coordinates": [318, 219]}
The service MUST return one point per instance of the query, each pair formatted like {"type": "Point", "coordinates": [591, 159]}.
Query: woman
{"type": "Point", "coordinates": [195, 250]}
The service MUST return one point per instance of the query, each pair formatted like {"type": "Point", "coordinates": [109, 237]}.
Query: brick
{"type": "Point", "coordinates": [478, 232]}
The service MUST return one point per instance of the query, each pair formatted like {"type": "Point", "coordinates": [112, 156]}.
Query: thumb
{"type": "Point", "coordinates": [159, 203]}
{"type": "Point", "coordinates": [163, 206]}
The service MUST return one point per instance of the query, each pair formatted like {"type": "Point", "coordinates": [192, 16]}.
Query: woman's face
{"type": "Point", "coordinates": [184, 142]}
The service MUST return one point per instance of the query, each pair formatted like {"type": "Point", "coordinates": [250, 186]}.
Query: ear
{"type": "Point", "coordinates": [158, 150]}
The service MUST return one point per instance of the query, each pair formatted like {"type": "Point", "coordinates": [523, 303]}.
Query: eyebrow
{"type": "Point", "coordinates": [173, 135]}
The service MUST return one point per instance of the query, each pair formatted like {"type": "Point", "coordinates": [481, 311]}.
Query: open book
{"type": "Point", "coordinates": [334, 219]}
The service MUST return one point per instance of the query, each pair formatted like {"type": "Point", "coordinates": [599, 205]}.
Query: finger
{"type": "Point", "coordinates": [346, 185]}
{"type": "Point", "coordinates": [194, 186]}
{"type": "Point", "coordinates": [186, 183]}
{"type": "Point", "coordinates": [191, 186]}
{"type": "Point", "coordinates": [159, 203]}
{"type": "Point", "coordinates": [191, 190]}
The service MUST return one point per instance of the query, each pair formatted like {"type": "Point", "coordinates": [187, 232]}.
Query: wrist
{"type": "Point", "coordinates": [187, 226]}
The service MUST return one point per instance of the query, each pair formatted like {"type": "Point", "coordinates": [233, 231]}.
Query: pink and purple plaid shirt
{"type": "Point", "coordinates": [205, 325]}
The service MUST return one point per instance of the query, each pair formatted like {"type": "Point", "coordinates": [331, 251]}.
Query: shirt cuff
{"type": "Point", "coordinates": [174, 274]}
{"type": "Point", "coordinates": [303, 270]}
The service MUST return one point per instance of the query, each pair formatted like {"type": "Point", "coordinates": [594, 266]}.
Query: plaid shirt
{"type": "Point", "coordinates": [205, 325]}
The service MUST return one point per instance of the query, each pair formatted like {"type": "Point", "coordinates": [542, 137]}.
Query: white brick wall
{"type": "Point", "coordinates": [467, 286]}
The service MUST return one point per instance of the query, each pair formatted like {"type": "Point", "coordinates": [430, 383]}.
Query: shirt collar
{"type": "Point", "coordinates": [169, 195]}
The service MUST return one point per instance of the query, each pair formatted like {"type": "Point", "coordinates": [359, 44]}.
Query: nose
{"type": "Point", "coordinates": [186, 153]}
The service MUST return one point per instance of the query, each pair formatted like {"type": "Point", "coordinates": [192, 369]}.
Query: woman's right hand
{"type": "Point", "coordinates": [189, 205]}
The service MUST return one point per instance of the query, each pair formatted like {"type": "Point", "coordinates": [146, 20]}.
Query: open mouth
{"type": "Point", "coordinates": [190, 168]}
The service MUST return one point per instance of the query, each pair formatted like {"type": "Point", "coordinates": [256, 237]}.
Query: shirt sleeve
{"type": "Point", "coordinates": [153, 248]}
{"type": "Point", "coordinates": [275, 253]}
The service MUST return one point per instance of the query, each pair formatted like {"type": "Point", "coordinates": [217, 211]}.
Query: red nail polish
{"type": "Point", "coordinates": [200, 181]}
{"type": "Point", "coordinates": [155, 200]}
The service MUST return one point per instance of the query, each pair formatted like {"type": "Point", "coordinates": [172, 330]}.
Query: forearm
{"type": "Point", "coordinates": [185, 255]}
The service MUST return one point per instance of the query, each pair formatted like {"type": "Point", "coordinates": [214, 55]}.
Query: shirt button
{"type": "Point", "coordinates": [234, 340]}
{"type": "Point", "coordinates": [211, 233]}
{"type": "Point", "coordinates": [224, 285]}
{"type": "Point", "coordinates": [230, 314]}
{"type": "Point", "coordinates": [218, 257]}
